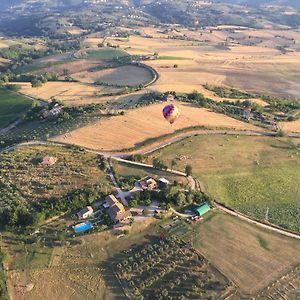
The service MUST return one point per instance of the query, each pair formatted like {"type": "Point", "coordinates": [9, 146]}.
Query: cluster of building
{"type": "Point", "coordinates": [149, 183]}
{"type": "Point", "coordinates": [53, 112]}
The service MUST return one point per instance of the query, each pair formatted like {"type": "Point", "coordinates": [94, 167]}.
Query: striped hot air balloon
{"type": "Point", "coordinates": [171, 113]}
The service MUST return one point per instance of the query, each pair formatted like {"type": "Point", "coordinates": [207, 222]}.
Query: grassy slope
{"type": "Point", "coordinates": [11, 105]}
{"type": "Point", "coordinates": [246, 173]}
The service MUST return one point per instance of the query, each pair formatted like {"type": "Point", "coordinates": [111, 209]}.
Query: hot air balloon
{"type": "Point", "coordinates": [171, 113]}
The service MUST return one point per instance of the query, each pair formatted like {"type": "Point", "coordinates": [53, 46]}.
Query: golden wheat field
{"type": "Point", "coordinates": [144, 123]}
{"type": "Point", "coordinates": [291, 126]}
{"type": "Point", "coordinates": [71, 93]}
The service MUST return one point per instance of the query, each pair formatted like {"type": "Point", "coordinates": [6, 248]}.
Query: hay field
{"type": "Point", "coordinates": [249, 174]}
{"type": "Point", "coordinates": [255, 68]}
{"type": "Point", "coordinates": [291, 126]}
{"type": "Point", "coordinates": [144, 123]}
{"type": "Point", "coordinates": [251, 257]}
{"type": "Point", "coordinates": [72, 93]}
{"type": "Point", "coordinates": [122, 76]}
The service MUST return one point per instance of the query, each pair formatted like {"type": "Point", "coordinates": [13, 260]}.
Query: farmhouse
{"type": "Point", "coordinates": [85, 213]}
{"type": "Point", "coordinates": [49, 160]}
{"type": "Point", "coordinates": [148, 183]}
{"type": "Point", "coordinates": [202, 209]}
{"type": "Point", "coordinates": [116, 210]}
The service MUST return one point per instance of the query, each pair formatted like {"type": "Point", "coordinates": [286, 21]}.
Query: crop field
{"type": "Point", "coordinates": [23, 170]}
{"type": "Point", "coordinates": [249, 256]}
{"type": "Point", "coordinates": [144, 123]}
{"type": "Point", "coordinates": [246, 63]}
{"type": "Point", "coordinates": [168, 268]}
{"type": "Point", "coordinates": [122, 76]}
{"type": "Point", "coordinates": [251, 174]}
{"type": "Point", "coordinates": [74, 272]}
{"type": "Point", "coordinates": [11, 106]}
{"type": "Point", "coordinates": [123, 169]}
{"type": "Point", "coordinates": [106, 54]}
{"type": "Point", "coordinates": [71, 93]}
{"type": "Point", "coordinates": [291, 126]}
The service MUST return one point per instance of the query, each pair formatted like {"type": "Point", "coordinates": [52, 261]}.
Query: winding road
{"type": "Point", "coordinates": [121, 155]}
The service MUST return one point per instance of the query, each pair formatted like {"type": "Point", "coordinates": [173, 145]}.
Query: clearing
{"type": "Point", "coordinates": [250, 174]}
{"type": "Point", "coordinates": [12, 105]}
{"type": "Point", "coordinates": [145, 123]}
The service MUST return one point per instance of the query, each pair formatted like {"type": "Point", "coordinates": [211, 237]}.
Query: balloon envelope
{"type": "Point", "coordinates": [171, 113]}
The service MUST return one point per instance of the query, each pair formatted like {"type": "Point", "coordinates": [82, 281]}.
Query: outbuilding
{"type": "Point", "coordinates": [202, 209]}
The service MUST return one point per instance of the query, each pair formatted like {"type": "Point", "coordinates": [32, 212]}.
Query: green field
{"type": "Point", "coordinates": [250, 174]}
{"type": "Point", "coordinates": [106, 54]}
{"type": "Point", "coordinates": [11, 106]}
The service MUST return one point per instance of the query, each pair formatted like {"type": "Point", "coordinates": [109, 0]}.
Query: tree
{"type": "Point", "coordinates": [36, 83]}
{"type": "Point", "coordinates": [280, 133]}
{"type": "Point", "coordinates": [188, 170]}
{"type": "Point", "coordinates": [66, 72]}
{"type": "Point", "coordinates": [173, 163]}
{"type": "Point", "coordinates": [133, 202]}
{"type": "Point", "coordinates": [180, 199]}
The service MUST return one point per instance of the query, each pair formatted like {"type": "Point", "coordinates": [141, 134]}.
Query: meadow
{"type": "Point", "coordinates": [145, 123]}
{"type": "Point", "coordinates": [12, 105]}
{"type": "Point", "coordinates": [250, 174]}
{"type": "Point", "coordinates": [106, 54]}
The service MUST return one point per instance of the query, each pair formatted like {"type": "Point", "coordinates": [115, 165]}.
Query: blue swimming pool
{"type": "Point", "coordinates": [83, 227]}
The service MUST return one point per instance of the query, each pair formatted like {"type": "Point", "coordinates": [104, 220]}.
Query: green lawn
{"type": "Point", "coordinates": [106, 54]}
{"type": "Point", "coordinates": [250, 174]}
{"type": "Point", "coordinates": [11, 106]}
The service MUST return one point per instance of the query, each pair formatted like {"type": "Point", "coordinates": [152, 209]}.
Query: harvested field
{"type": "Point", "coordinates": [122, 76]}
{"type": "Point", "coordinates": [291, 126]}
{"type": "Point", "coordinates": [141, 124]}
{"type": "Point", "coordinates": [251, 67]}
{"type": "Point", "coordinates": [72, 93]}
{"type": "Point", "coordinates": [251, 257]}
